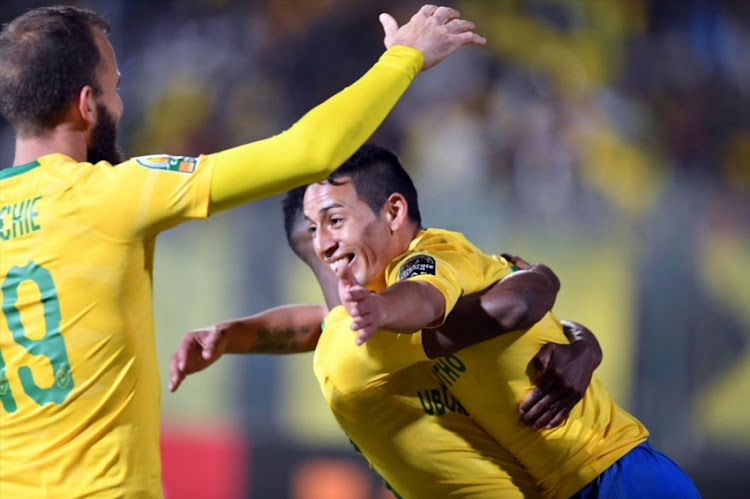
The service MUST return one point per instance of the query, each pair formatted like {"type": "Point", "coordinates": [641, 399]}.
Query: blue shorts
{"type": "Point", "coordinates": [642, 473]}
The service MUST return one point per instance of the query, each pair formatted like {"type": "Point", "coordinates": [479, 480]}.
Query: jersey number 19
{"type": "Point", "coordinates": [51, 345]}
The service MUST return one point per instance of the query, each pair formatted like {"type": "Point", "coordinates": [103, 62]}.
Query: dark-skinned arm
{"type": "Point", "coordinates": [280, 330]}
{"type": "Point", "coordinates": [564, 371]}
{"type": "Point", "coordinates": [563, 374]}
{"type": "Point", "coordinates": [517, 301]}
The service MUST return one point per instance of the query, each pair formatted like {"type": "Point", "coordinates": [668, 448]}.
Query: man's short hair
{"type": "Point", "coordinates": [376, 174]}
{"type": "Point", "coordinates": [47, 55]}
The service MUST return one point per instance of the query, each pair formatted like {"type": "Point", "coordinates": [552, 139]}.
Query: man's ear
{"type": "Point", "coordinates": [397, 210]}
{"type": "Point", "coordinates": [86, 106]}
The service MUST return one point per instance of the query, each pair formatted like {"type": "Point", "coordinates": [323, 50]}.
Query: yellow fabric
{"type": "Point", "coordinates": [491, 379]}
{"type": "Point", "coordinates": [75, 270]}
{"type": "Point", "coordinates": [411, 430]}
{"type": "Point", "coordinates": [319, 142]}
{"type": "Point", "coordinates": [77, 248]}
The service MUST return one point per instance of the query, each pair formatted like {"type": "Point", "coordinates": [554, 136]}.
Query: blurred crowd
{"type": "Point", "coordinates": [571, 100]}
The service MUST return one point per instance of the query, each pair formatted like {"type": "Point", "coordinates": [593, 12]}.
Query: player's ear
{"type": "Point", "coordinates": [396, 210]}
{"type": "Point", "coordinates": [86, 106]}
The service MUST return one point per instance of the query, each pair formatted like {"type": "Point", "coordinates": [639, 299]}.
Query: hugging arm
{"type": "Point", "coordinates": [515, 302]}
{"type": "Point", "coordinates": [563, 374]}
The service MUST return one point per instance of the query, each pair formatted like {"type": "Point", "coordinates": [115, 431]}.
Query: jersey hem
{"type": "Point", "coordinates": [574, 486]}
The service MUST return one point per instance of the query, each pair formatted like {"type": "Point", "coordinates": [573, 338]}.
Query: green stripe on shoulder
{"type": "Point", "coordinates": [17, 170]}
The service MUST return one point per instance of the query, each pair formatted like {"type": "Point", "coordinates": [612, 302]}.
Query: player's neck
{"type": "Point", "coordinates": [378, 284]}
{"type": "Point", "coordinates": [63, 140]}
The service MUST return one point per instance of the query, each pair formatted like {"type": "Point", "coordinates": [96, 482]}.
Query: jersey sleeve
{"type": "Point", "coordinates": [320, 141]}
{"type": "Point", "coordinates": [442, 269]}
{"type": "Point", "coordinates": [148, 194]}
{"type": "Point", "coordinates": [450, 266]}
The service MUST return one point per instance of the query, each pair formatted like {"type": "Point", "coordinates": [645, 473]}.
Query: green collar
{"type": "Point", "coordinates": [17, 170]}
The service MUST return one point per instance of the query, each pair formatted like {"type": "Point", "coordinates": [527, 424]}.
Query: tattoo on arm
{"type": "Point", "coordinates": [281, 340]}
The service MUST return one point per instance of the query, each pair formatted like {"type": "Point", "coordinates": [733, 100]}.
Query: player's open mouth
{"type": "Point", "coordinates": [344, 260]}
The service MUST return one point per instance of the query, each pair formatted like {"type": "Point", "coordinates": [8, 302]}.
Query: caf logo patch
{"type": "Point", "coordinates": [417, 265]}
{"type": "Point", "coordinates": [181, 164]}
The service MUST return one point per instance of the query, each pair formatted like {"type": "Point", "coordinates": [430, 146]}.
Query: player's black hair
{"type": "Point", "coordinates": [292, 207]}
{"type": "Point", "coordinates": [47, 55]}
{"type": "Point", "coordinates": [376, 174]}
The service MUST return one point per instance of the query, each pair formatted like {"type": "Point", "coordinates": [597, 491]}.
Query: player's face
{"type": "Point", "coordinates": [303, 247]}
{"type": "Point", "coordinates": [103, 144]}
{"type": "Point", "coordinates": [345, 231]}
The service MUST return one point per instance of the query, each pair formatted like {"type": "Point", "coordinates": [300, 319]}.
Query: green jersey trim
{"type": "Point", "coordinates": [17, 170]}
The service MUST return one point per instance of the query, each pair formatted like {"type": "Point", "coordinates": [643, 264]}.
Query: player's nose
{"type": "Point", "coordinates": [325, 245]}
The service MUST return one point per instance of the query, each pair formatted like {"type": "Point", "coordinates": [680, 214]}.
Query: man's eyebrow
{"type": "Point", "coordinates": [323, 210]}
{"type": "Point", "coordinates": [329, 207]}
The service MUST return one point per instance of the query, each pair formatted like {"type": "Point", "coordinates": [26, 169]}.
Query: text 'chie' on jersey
{"type": "Point", "coordinates": [79, 384]}
{"type": "Point", "coordinates": [492, 378]}
{"type": "Point", "coordinates": [411, 429]}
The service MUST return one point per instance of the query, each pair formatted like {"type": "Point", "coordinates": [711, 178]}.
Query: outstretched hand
{"type": "Point", "coordinates": [437, 32]}
{"type": "Point", "coordinates": [198, 349]}
{"type": "Point", "coordinates": [564, 373]}
{"type": "Point", "coordinates": [364, 306]}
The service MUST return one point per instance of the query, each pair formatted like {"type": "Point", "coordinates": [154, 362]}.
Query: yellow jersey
{"type": "Point", "coordinates": [492, 378]}
{"type": "Point", "coordinates": [79, 384]}
{"type": "Point", "coordinates": [412, 431]}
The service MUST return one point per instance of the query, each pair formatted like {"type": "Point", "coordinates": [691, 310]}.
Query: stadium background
{"type": "Point", "coordinates": [609, 139]}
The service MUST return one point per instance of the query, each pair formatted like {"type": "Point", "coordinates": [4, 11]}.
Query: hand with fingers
{"type": "Point", "coordinates": [364, 306]}
{"type": "Point", "coordinates": [437, 32]}
{"type": "Point", "coordinates": [198, 349]}
{"type": "Point", "coordinates": [564, 373]}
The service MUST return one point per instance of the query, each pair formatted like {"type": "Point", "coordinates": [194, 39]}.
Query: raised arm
{"type": "Point", "coordinates": [326, 136]}
{"type": "Point", "coordinates": [280, 330]}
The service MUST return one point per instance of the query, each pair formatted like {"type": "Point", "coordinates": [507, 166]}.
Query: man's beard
{"type": "Point", "coordinates": [104, 147]}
